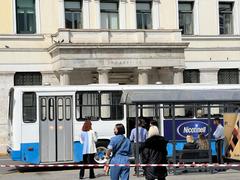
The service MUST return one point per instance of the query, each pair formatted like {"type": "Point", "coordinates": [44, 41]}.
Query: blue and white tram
{"type": "Point", "coordinates": [45, 121]}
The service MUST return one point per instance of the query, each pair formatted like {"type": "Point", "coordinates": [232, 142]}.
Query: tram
{"type": "Point", "coordinates": [45, 121]}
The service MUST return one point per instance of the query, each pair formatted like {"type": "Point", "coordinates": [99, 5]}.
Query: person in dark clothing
{"type": "Point", "coordinates": [190, 143]}
{"type": "Point", "coordinates": [154, 151]}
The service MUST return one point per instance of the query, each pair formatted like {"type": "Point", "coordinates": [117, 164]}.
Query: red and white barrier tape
{"type": "Point", "coordinates": [119, 165]}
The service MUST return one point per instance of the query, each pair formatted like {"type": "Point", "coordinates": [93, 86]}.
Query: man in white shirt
{"type": "Point", "coordinates": [219, 137]}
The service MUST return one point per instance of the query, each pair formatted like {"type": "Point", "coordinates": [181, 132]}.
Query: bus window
{"type": "Point", "coordinates": [60, 109]}
{"type": "Point", "coordinates": [181, 111]}
{"type": "Point", "coordinates": [111, 109]}
{"type": "Point", "coordinates": [10, 110]}
{"type": "Point", "coordinates": [29, 107]}
{"type": "Point", "coordinates": [51, 109]}
{"type": "Point", "coordinates": [87, 105]}
{"type": "Point", "coordinates": [68, 108]}
{"type": "Point", "coordinates": [43, 109]}
{"type": "Point", "coordinates": [201, 110]}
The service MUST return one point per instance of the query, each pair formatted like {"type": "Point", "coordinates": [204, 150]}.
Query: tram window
{"type": "Point", "coordinates": [10, 110]}
{"type": "Point", "coordinates": [60, 109]}
{"type": "Point", "coordinates": [43, 109]}
{"type": "Point", "coordinates": [87, 105]}
{"type": "Point", "coordinates": [181, 111]}
{"type": "Point", "coordinates": [51, 109]}
{"type": "Point", "coordinates": [111, 109]}
{"type": "Point", "coordinates": [29, 107]}
{"type": "Point", "coordinates": [201, 110]}
{"type": "Point", "coordinates": [68, 108]}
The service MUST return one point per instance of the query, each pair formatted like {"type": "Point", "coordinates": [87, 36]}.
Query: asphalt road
{"type": "Point", "coordinates": [72, 174]}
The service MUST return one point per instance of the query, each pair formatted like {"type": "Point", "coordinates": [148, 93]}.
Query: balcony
{"type": "Point", "coordinates": [117, 36]}
{"type": "Point", "coordinates": [117, 48]}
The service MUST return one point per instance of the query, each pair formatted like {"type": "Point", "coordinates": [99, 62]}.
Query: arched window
{"type": "Point", "coordinates": [27, 78]}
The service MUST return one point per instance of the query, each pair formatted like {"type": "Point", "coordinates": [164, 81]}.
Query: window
{"type": "Point", "coordinates": [109, 15]}
{"type": "Point", "coordinates": [73, 14]}
{"type": "Point", "coordinates": [228, 76]}
{"type": "Point", "coordinates": [43, 109]}
{"type": "Point", "coordinates": [186, 17]}
{"type": "Point", "coordinates": [68, 107]}
{"type": "Point", "coordinates": [29, 107]}
{"type": "Point", "coordinates": [25, 16]}
{"type": "Point", "coordinates": [111, 109]}
{"type": "Point", "coordinates": [51, 109]}
{"type": "Point", "coordinates": [226, 18]}
{"type": "Point", "coordinates": [10, 109]}
{"type": "Point", "coordinates": [27, 78]}
{"type": "Point", "coordinates": [144, 16]}
{"type": "Point", "coordinates": [191, 76]}
{"type": "Point", "coordinates": [60, 109]}
{"type": "Point", "coordinates": [87, 105]}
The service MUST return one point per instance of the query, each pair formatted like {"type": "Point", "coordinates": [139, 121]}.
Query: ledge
{"type": "Point", "coordinates": [211, 37]}
{"type": "Point", "coordinates": [21, 36]}
{"type": "Point", "coordinates": [176, 45]}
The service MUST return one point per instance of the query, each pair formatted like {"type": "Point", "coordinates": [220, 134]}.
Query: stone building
{"type": "Point", "coordinates": [74, 42]}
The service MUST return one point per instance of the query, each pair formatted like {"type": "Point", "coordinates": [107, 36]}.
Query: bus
{"type": "Point", "coordinates": [45, 121]}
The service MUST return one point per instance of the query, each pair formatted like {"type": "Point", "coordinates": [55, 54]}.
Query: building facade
{"type": "Point", "coordinates": [74, 42]}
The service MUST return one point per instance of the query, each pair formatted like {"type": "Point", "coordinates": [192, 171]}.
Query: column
{"type": "Point", "coordinates": [178, 79]}
{"type": "Point", "coordinates": [143, 80]}
{"type": "Point", "coordinates": [98, 14]}
{"type": "Point", "coordinates": [65, 76]}
{"type": "Point", "coordinates": [86, 14]}
{"type": "Point", "coordinates": [209, 76]}
{"type": "Point", "coordinates": [143, 75]}
{"type": "Point", "coordinates": [178, 76]}
{"type": "Point", "coordinates": [155, 14]}
{"type": "Point", "coordinates": [105, 98]}
{"type": "Point", "coordinates": [131, 17]}
{"type": "Point", "coordinates": [61, 14]}
{"type": "Point", "coordinates": [122, 14]}
{"type": "Point", "coordinates": [103, 75]}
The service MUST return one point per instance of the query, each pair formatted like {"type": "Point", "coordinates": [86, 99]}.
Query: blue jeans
{"type": "Point", "coordinates": [119, 172]}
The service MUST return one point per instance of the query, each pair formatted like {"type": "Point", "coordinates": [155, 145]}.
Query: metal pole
{"type": "Point", "coordinates": [209, 135]}
{"type": "Point", "coordinates": [157, 116]}
{"type": "Point", "coordinates": [137, 141]}
{"type": "Point", "coordinates": [174, 136]}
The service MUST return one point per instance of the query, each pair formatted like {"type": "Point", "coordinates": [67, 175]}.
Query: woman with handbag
{"type": "Point", "coordinates": [88, 139]}
{"type": "Point", "coordinates": [120, 147]}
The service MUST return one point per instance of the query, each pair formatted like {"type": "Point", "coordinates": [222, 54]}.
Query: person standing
{"type": "Point", "coordinates": [142, 136]}
{"type": "Point", "coordinates": [120, 148]}
{"type": "Point", "coordinates": [88, 139]}
{"type": "Point", "coordinates": [219, 137]}
{"type": "Point", "coordinates": [154, 151]}
{"type": "Point", "coordinates": [153, 128]}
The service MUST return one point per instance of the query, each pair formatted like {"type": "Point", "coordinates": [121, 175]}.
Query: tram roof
{"type": "Point", "coordinates": [180, 96]}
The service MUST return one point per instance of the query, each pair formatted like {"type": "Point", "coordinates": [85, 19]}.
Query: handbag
{"type": "Point", "coordinates": [106, 166]}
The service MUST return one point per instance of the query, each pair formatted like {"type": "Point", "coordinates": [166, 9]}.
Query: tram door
{"type": "Point", "coordinates": [56, 129]}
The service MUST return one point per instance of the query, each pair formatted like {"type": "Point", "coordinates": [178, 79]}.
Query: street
{"type": "Point", "coordinates": [72, 174]}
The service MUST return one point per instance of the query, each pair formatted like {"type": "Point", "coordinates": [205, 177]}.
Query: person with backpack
{"type": "Point", "coordinates": [120, 148]}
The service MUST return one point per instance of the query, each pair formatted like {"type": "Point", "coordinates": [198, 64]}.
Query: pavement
{"type": "Point", "coordinates": [72, 174]}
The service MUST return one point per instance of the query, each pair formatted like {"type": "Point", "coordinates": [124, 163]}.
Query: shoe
{"type": "Point", "coordinates": [92, 177]}
{"type": "Point", "coordinates": [80, 177]}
